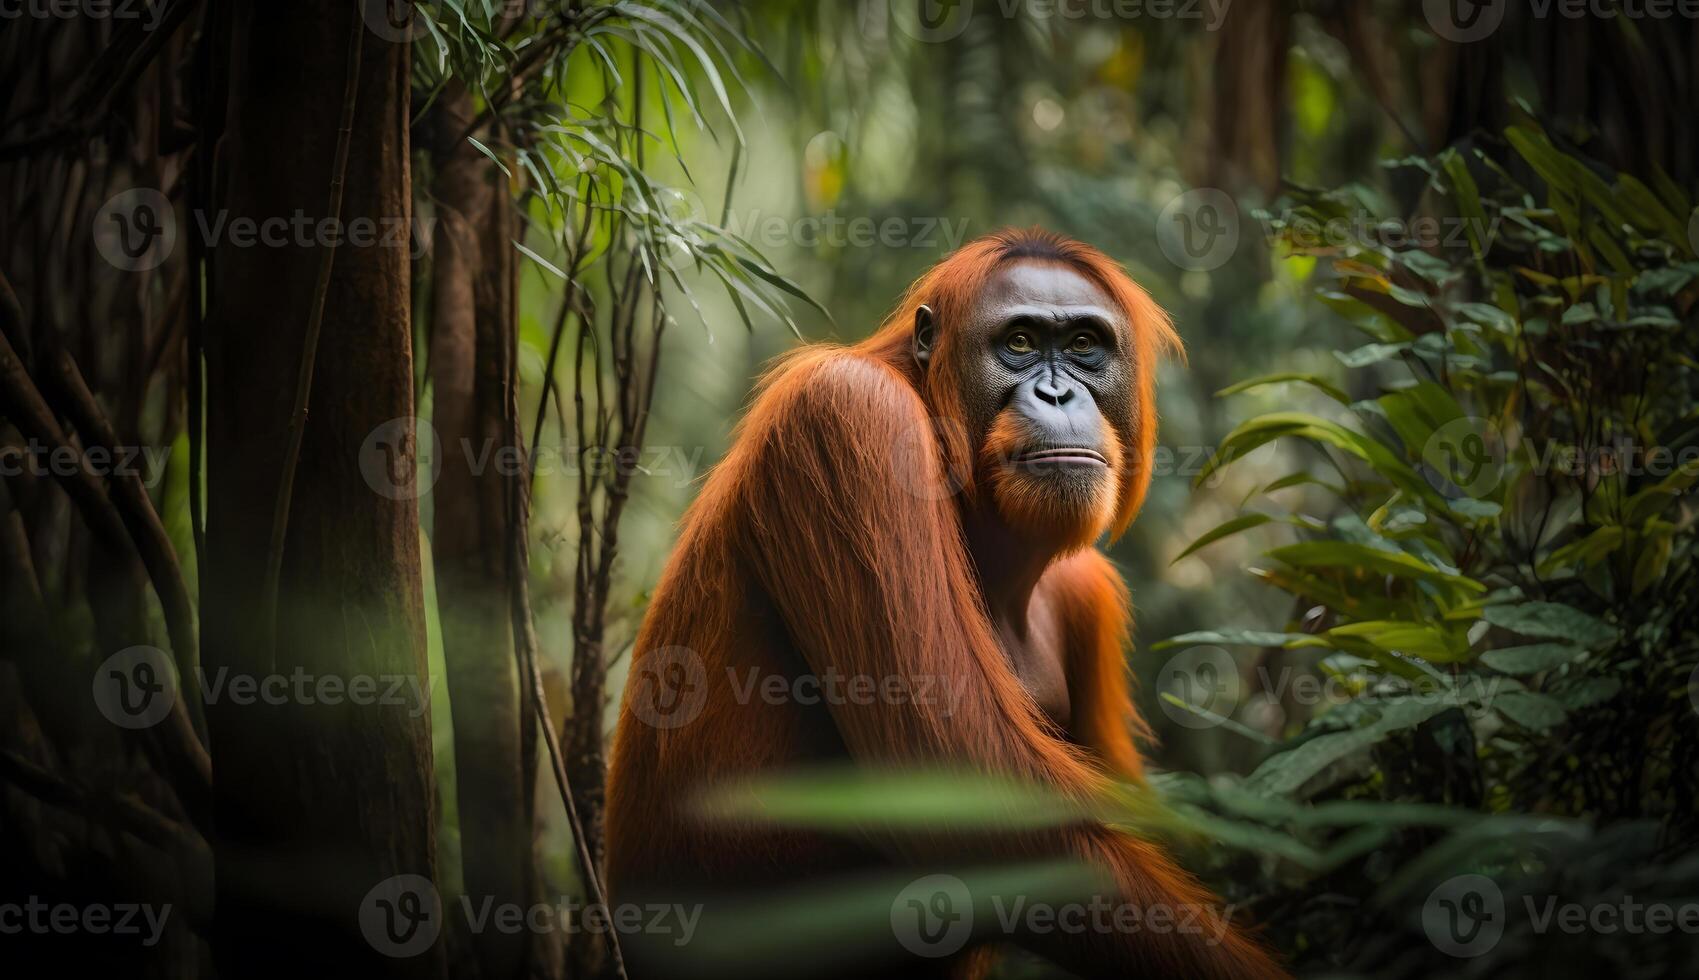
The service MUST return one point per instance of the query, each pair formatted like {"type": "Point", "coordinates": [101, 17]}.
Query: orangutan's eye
{"type": "Point", "coordinates": [1019, 343]}
{"type": "Point", "coordinates": [1083, 343]}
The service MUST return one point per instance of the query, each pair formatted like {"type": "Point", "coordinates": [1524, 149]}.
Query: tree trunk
{"type": "Point", "coordinates": [325, 793]}
{"type": "Point", "coordinates": [473, 328]}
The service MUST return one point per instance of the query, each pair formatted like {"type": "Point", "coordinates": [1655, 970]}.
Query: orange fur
{"type": "Point", "coordinates": [1075, 515]}
{"type": "Point", "coordinates": [815, 548]}
{"type": "Point", "coordinates": [1098, 617]}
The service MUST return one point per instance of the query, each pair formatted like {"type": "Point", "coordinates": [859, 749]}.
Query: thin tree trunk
{"type": "Point", "coordinates": [473, 327]}
{"type": "Point", "coordinates": [325, 793]}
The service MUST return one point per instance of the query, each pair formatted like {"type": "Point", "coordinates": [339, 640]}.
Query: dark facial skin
{"type": "Point", "coordinates": [1040, 343]}
{"type": "Point", "coordinates": [1041, 340]}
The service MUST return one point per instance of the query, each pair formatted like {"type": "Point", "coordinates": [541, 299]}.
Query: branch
{"type": "Point", "coordinates": [173, 746]}
{"type": "Point", "coordinates": [93, 102]}
{"type": "Point", "coordinates": [144, 822]}
{"type": "Point", "coordinates": [525, 636]}
{"type": "Point", "coordinates": [135, 509]}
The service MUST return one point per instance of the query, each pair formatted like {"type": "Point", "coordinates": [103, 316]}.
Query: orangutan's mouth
{"type": "Point", "coordinates": [1061, 456]}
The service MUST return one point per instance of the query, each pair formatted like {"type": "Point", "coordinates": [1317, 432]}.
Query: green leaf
{"type": "Point", "coordinates": [545, 263]}
{"type": "Point", "coordinates": [1475, 510]}
{"type": "Point", "coordinates": [1289, 771]}
{"type": "Point", "coordinates": [1370, 354]}
{"type": "Point", "coordinates": [1586, 551]}
{"type": "Point", "coordinates": [1254, 433]}
{"type": "Point", "coordinates": [1551, 620]}
{"type": "Point", "coordinates": [1530, 710]}
{"type": "Point", "coordinates": [1468, 199]}
{"type": "Point", "coordinates": [1652, 501]}
{"type": "Point", "coordinates": [486, 151]}
{"type": "Point", "coordinates": [1589, 692]}
{"type": "Point", "coordinates": [1234, 637]}
{"type": "Point", "coordinates": [855, 799]}
{"type": "Point", "coordinates": [1223, 530]}
{"type": "Point", "coordinates": [1417, 411]}
{"type": "Point", "coordinates": [1307, 554]}
{"type": "Point", "coordinates": [1531, 659]}
{"type": "Point", "coordinates": [1300, 479]}
{"type": "Point", "coordinates": [1409, 639]}
{"type": "Point", "coordinates": [1315, 381]}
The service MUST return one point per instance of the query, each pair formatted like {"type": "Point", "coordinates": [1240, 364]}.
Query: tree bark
{"type": "Point", "coordinates": [327, 791]}
{"type": "Point", "coordinates": [473, 329]}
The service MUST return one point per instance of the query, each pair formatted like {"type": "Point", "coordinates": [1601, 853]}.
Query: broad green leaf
{"type": "Point", "coordinates": [1589, 692]}
{"type": "Point", "coordinates": [1650, 502]}
{"type": "Point", "coordinates": [1306, 554]}
{"type": "Point", "coordinates": [1530, 710]}
{"type": "Point", "coordinates": [1410, 639]}
{"type": "Point", "coordinates": [1551, 620]}
{"type": "Point", "coordinates": [1370, 354]}
{"type": "Point", "coordinates": [1289, 771]}
{"type": "Point", "coordinates": [1590, 550]}
{"type": "Point", "coordinates": [1254, 433]}
{"type": "Point", "coordinates": [1531, 659]}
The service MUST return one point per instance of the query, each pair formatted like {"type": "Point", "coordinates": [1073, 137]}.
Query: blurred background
{"type": "Point", "coordinates": [1396, 238]}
